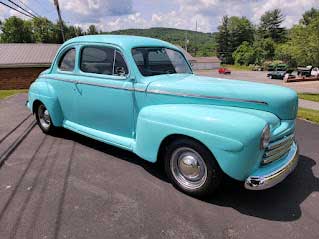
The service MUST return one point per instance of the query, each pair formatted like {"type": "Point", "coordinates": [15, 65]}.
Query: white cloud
{"type": "Point", "coordinates": [208, 14]}
{"type": "Point", "coordinates": [110, 15]}
{"type": "Point", "coordinates": [94, 10]}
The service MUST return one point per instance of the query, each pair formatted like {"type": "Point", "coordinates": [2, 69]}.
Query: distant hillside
{"type": "Point", "coordinates": [200, 44]}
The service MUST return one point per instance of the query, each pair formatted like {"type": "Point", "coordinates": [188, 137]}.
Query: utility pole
{"type": "Point", "coordinates": [196, 26]}
{"type": "Point", "coordinates": [186, 40]}
{"type": "Point", "coordinates": [56, 3]}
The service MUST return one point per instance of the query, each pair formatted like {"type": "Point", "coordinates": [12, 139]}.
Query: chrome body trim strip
{"type": "Point", "coordinates": [205, 96]}
{"type": "Point", "coordinates": [261, 182]}
{"type": "Point", "coordinates": [160, 91]}
{"type": "Point", "coordinates": [94, 84]}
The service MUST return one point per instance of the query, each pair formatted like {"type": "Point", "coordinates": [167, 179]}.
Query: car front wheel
{"type": "Point", "coordinates": [44, 119]}
{"type": "Point", "coordinates": [192, 168]}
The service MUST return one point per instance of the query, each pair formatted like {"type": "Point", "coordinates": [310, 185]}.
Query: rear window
{"type": "Point", "coordinates": [67, 61]}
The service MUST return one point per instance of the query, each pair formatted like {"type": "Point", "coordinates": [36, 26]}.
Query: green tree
{"type": "Point", "coordinates": [43, 30]}
{"type": "Point", "coordinates": [244, 54]}
{"type": "Point", "coordinates": [79, 31]}
{"type": "Point", "coordinates": [232, 33]}
{"type": "Point", "coordinates": [264, 50]}
{"type": "Point", "coordinates": [16, 30]}
{"type": "Point", "coordinates": [270, 26]}
{"type": "Point", "coordinates": [71, 32]}
{"type": "Point", "coordinates": [92, 30]}
{"type": "Point", "coordinates": [302, 48]}
{"type": "Point", "coordinates": [223, 41]}
{"type": "Point", "coordinates": [283, 53]}
{"type": "Point", "coordinates": [309, 16]}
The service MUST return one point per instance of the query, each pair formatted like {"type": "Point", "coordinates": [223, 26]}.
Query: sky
{"type": "Point", "coordinates": [109, 15]}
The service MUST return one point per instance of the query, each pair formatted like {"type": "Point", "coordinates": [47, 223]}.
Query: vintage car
{"type": "Point", "coordinates": [223, 70]}
{"type": "Point", "coordinates": [279, 72]}
{"type": "Point", "coordinates": [141, 95]}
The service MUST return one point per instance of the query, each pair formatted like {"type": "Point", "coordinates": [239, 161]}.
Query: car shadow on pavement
{"type": "Point", "coordinates": [280, 203]}
{"type": "Point", "coordinates": [122, 154]}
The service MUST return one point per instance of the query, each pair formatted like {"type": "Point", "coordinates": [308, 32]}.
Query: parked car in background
{"type": "Point", "coordinates": [279, 72]}
{"type": "Point", "coordinates": [223, 70]}
{"type": "Point", "coordinates": [315, 72]}
{"type": "Point", "coordinates": [141, 95]}
{"type": "Point", "coordinates": [304, 71]}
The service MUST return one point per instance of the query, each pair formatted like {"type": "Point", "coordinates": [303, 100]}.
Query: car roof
{"type": "Point", "coordinates": [124, 41]}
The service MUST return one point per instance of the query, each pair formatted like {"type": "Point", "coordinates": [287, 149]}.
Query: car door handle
{"type": "Point", "coordinates": [76, 87]}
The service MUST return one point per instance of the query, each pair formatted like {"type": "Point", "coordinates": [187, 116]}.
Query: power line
{"type": "Point", "coordinates": [22, 8]}
{"type": "Point", "coordinates": [17, 10]}
{"type": "Point", "coordinates": [24, 4]}
{"type": "Point", "coordinates": [44, 7]}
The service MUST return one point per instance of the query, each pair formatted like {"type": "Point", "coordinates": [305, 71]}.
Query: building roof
{"type": "Point", "coordinates": [127, 42]}
{"type": "Point", "coordinates": [212, 59]}
{"type": "Point", "coordinates": [27, 54]}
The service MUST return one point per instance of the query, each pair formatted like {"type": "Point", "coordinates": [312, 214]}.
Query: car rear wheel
{"type": "Point", "coordinates": [44, 119]}
{"type": "Point", "coordinates": [192, 168]}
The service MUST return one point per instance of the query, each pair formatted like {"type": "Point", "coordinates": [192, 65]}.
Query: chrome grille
{"type": "Point", "coordinates": [277, 149]}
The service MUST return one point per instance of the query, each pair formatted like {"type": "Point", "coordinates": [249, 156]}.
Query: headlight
{"type": "Point", "coordinates": [265, 137]}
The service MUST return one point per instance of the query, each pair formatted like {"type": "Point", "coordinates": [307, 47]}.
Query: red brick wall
{"type": "Point", "coordinates": [18, 78]}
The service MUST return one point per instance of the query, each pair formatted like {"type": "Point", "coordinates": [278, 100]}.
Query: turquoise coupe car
{"type": "Point", "coordinates": [140, 94]}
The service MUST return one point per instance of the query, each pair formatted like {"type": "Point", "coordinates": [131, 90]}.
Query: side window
{"type": "Point", "coordinates": [139, 59]}
{"type": "Point", "coordinates": [67, 61]}
{"type": "Point", "coordinates": [120, 67]}
{"type": "Point", "coordinates": [98, 60]}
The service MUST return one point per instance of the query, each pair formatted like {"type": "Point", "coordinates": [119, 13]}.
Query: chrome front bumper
{"type": "Point", "coordinates": [263, 179]}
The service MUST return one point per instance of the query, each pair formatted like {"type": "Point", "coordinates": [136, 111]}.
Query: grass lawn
{"type": "Point", "coordinates": [6, 93]}
{"type": "Point", "coordinates": [309, 96]}
{"type": "Point", "coordinates": [311, 115]}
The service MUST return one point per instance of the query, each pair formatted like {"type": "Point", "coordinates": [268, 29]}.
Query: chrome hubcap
{"type": "Point", "coordinates": [44, 117]}
{"type": "Point", "coordinates": [188, 168]}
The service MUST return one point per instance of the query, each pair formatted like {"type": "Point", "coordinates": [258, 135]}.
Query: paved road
{"type": "Point", "coordinates": [70, 186]}
{"type": "Point", "coordinates": [261, 77]}
{"type": "Point", "coordinates": [309, 104]}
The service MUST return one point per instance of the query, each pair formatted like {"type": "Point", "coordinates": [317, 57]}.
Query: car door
{"type": "Point", "coordinates": [104, 99]}
{"type": "Point", "coordinates": [62, 81]}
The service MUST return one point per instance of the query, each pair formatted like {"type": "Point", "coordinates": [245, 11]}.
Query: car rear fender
{"type": "Point", "coordinates": [41, 91]}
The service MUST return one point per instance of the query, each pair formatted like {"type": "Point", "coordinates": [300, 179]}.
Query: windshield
{"type": "Point", "coordinates": [159, 60]}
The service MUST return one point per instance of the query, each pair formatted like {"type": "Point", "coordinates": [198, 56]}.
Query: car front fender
{"type": "Point", "coordinates": [233, 137]}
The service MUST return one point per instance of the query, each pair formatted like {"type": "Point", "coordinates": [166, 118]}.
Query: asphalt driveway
{"type": "Point", "coordinates": [70, 186]}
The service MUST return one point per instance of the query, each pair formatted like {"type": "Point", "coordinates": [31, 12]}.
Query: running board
{"type": "Point", "coordinates": [119, 141]}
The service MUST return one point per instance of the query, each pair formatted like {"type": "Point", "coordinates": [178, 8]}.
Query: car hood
{"type": "Point", "coordinates": [281, 101]}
